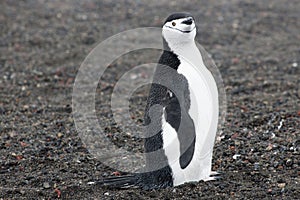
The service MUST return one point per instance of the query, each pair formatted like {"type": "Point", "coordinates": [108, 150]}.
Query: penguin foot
{"type": "Point", "coordinates": [214, 175]}
{"type": "Point", "coordinates": [213, 178]}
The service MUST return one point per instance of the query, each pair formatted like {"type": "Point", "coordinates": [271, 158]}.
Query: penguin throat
{"type": "Point", "coordinates": [179, 48]}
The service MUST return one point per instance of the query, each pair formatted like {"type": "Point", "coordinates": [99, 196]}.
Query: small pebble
{"type": "Point", "coordinates": [270, 147]}
{"type": "Point", "coordinates": [273, 135]}
{"type": "Point", "coordinates": [289, 162]}
{"type": "Point", "coordinates": [46, 185]}
{"type": "Point", "coordinates": [59, 135]}
{"type": "Point", "coordinates": [270, 191]}
{"type": "Point", "coordinates": [295, 64]}
{"type": "Point", "coordinates": [128, 134]}
{"type": "Point", "coordinates": [276, 164]}
{"type": "Point", "coordinates": [133, 76]}
{"type": "Point", "coordinates": [256, 166]}
{"type": "Point", "coordinates": [106, 193]}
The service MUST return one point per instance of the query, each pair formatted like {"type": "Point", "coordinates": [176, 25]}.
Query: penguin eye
{"type": "Point", "coordinates": [173, 23]}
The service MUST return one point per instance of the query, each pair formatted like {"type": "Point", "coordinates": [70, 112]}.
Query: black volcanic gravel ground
{"type": "Point", "coordinates": [255, 44]}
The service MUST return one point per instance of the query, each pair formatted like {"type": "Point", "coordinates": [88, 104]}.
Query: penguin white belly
{"type": "Point", "coordinates": [201, 112]}
{"type": "Point", "coordinates": [172, 150]}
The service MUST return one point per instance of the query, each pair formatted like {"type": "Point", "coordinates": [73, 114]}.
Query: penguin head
{"type": "Point", "coordinates": [179, 28]}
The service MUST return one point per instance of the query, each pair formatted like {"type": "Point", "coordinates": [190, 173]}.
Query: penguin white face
{"type": "Point", "coordinates": [179, 28]}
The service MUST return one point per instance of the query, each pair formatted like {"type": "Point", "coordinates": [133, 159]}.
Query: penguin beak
{"type": "Point", "coordinates": [188, 21]}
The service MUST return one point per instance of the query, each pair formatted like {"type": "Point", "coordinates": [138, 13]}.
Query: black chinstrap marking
{"type": "Point", "coordinates": [181, 30]}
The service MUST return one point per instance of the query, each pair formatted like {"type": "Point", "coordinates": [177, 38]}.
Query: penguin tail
{"type": "Point", "coordinates": [125, 181]}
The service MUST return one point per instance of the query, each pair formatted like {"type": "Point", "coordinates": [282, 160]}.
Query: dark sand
{"type": "Point", "coordinates": [42, 43]}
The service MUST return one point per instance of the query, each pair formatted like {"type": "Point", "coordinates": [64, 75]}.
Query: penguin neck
{"type": "Point", "coordinates": [186, 50]}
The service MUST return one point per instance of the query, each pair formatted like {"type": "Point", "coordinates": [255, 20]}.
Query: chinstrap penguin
{"type": "Point", "coordinates": [180, 130]}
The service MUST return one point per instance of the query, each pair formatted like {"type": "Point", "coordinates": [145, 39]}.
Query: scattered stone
{"type": "Point", "coordinates": [46, 185]}
{"type": "Point", "coordinates": [236, 156]}
{"type": "Point", "coordinates": [256, 166]}
{"type": "Point", "coordinates": [289, 162]}
{"type": "Point", "coordinates": [43, 44]}
{"type": "Point", "coordinates": [270, 147]}
{"type": "Point", "coordinates": [106, 193]}
{"type": "Point", "coordinates": [59, 135]}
